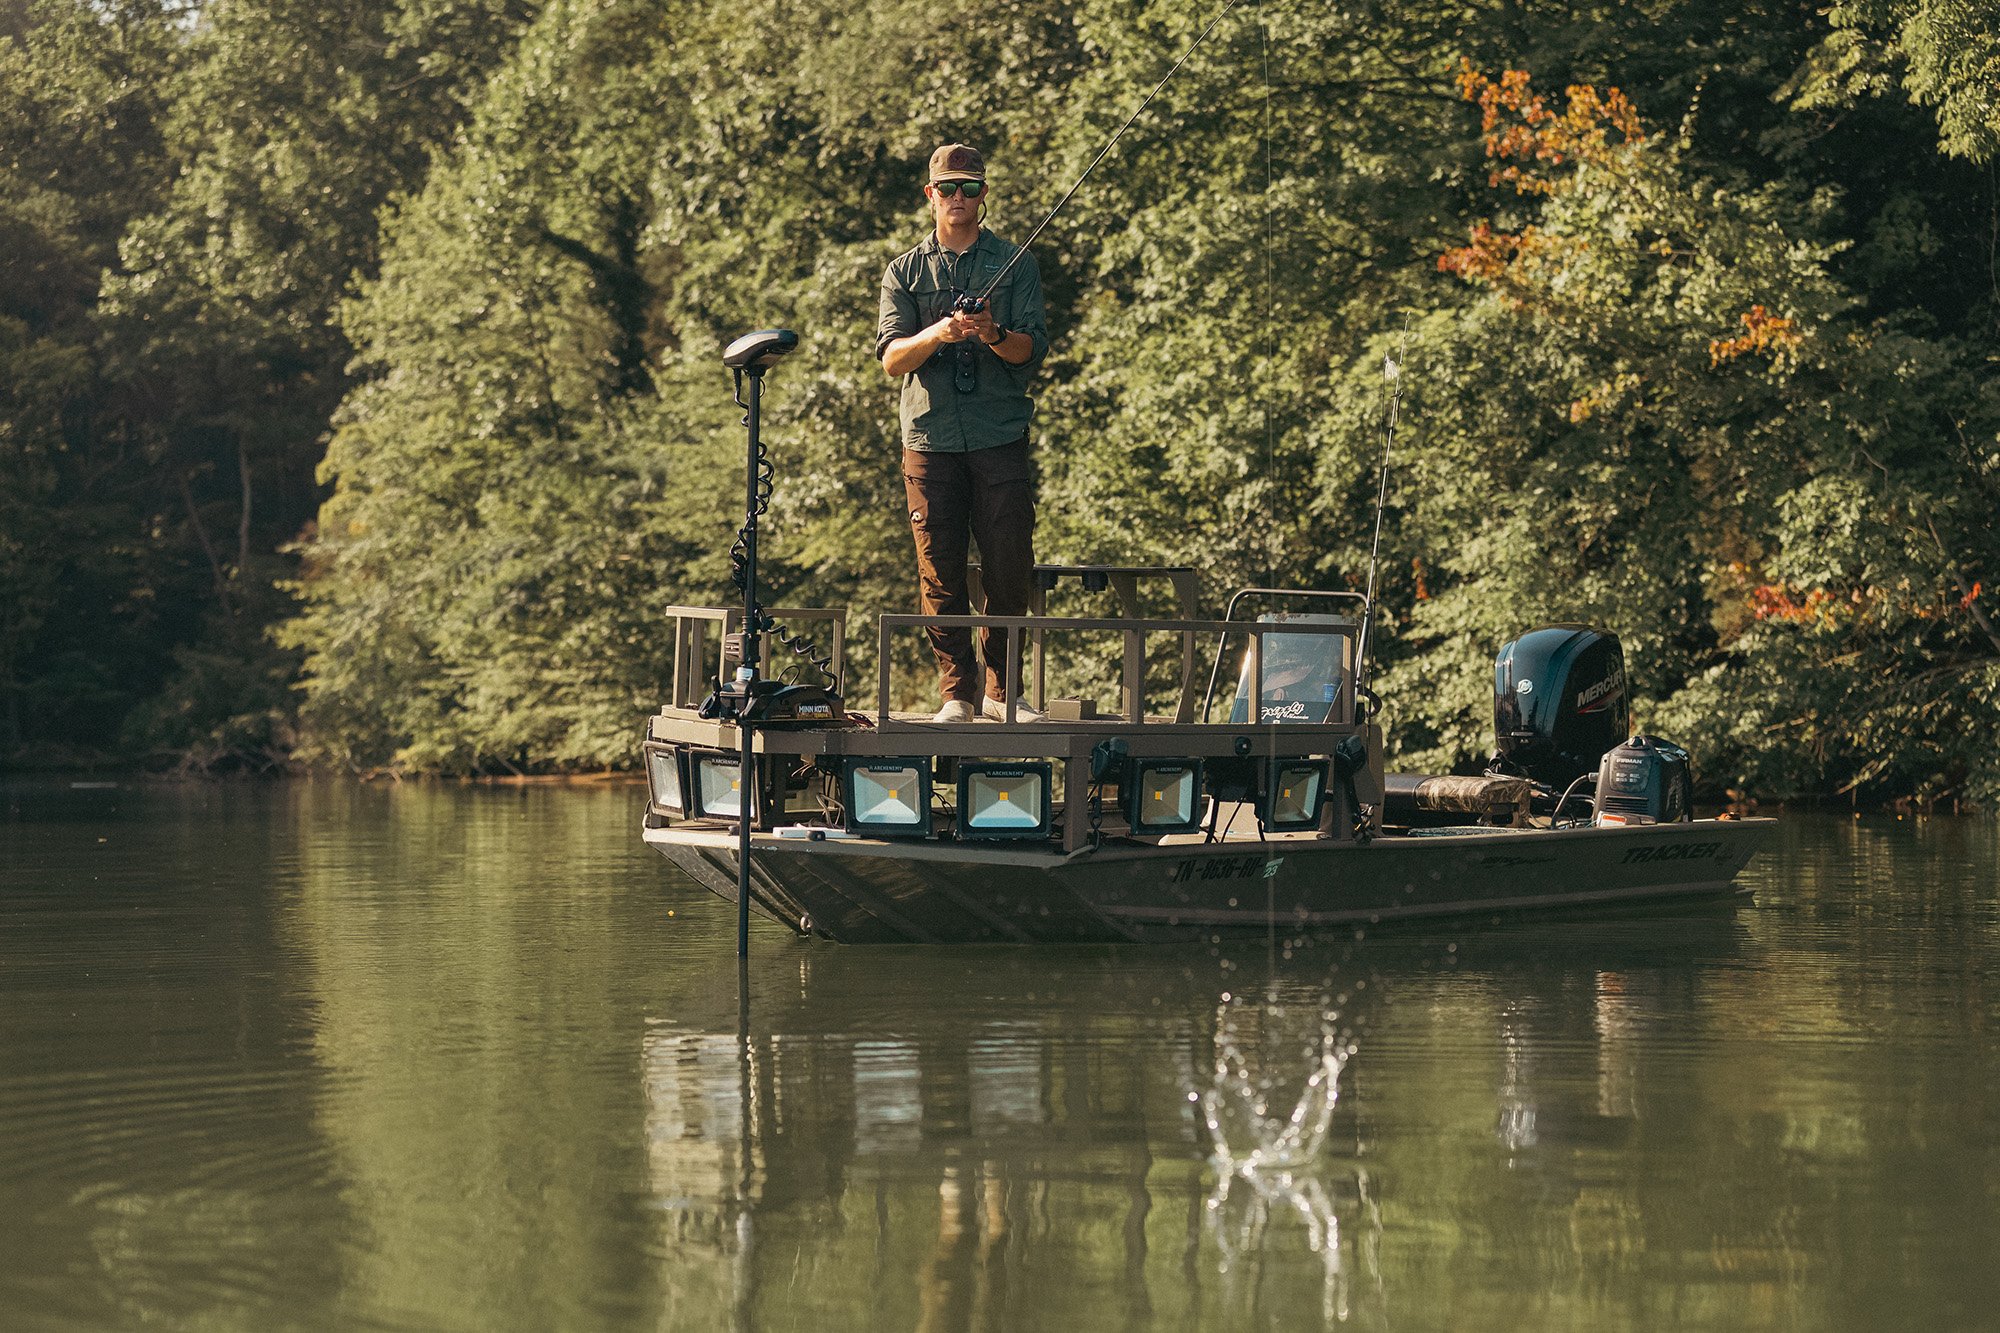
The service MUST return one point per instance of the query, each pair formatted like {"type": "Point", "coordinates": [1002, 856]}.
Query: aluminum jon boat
{"type": "Point", "coordinates": [1191, 823]}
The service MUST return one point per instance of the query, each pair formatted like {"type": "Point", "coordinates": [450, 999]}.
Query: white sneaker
{"type": "Point", "coordinates": [954, 710]}
{"type": "Point", "coordinates": [995, 710]}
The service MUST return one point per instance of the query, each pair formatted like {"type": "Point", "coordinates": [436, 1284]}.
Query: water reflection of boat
{"type": "Point", "coordinates": [1028, 1122]}
{"type": "Point", "coordinates": [1134, 825]}
{"type": "Point", "coordinates": [1039, 1119]}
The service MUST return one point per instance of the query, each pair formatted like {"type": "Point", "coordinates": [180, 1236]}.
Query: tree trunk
{"type": "Point", "coordinates": [207, 546]}
{"type": "Point", "coordinates": [243, 516]}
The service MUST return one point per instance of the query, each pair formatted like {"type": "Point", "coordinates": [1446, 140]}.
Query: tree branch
{"type": "Point", "coordinates": [207, 546]}
{"type": "Point", "coordinates": [1965, 591]}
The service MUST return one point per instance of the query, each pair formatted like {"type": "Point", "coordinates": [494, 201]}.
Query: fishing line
{"type": "Point", "coordinates": [974, 304]}
{"type": "Point", "coordinates": [1270, 444]}
{"type": "Point", "coordinates": [1270, 336]}
{"type": "Point", "coordinates": [1392, 381]}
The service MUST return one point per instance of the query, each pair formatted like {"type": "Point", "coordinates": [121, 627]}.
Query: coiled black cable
{"type": "Point", "coordinates": [739, 563]}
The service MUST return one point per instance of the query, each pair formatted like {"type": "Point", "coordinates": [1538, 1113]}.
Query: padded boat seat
{"type": "Point", "coordinates": [1421, 800]}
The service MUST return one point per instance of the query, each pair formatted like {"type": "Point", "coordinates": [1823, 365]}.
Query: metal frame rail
{"type": "Point", "coordinates": [1132, 673]}
{"type": "Point", "coordinates": [692, 677]}
{"type": "Point", "coordinates": [1069, 742]}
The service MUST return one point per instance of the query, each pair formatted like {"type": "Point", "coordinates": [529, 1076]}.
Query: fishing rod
{"type": "Point", "coordinates": [1392, 381]}
{"type": "Point", "coordinates": [966, 303]}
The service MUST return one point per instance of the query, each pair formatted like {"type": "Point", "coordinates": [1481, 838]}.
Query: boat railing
{"type": "Point", "coordinates": [702, 660]}
{"type": "Point", "coordinates": [1271, 595]}
{"type": "Point", "coordinates": [1072, 744]}
{"type": "Point", "coordinates": [1132, 663]}
{"type": "Point", "coordinates": [1123, 582]}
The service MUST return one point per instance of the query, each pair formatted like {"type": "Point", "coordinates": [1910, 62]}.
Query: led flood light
{"type": "Point", "coordinates": [1003, 800]}
{"type": "Point", "coordinates": [1293, 790]}
{"type": "Point", "coordinates": [889, 798]}
{"type": "Point", "coordinates": [1163, 795]}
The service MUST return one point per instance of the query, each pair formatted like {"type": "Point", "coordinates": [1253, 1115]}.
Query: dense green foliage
{"type": "Point", "coordinates": [1708, 362]}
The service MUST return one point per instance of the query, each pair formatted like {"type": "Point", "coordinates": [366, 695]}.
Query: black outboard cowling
{"type": "Point", "coordinates": [1645, 781]}
{"type": "Point", "coordinates": [1559, 703]}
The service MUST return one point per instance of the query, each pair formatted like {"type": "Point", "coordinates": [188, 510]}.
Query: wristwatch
{"type": "Point", "coordinates": [1004, 335]}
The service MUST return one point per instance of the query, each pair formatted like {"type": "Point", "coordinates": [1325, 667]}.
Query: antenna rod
{"type": "Point", "coordinates": [1105, 152]}
{"type": "Point", "coordinates": [1392, 379]}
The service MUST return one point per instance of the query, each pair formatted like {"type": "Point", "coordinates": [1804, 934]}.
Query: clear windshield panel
{"type": "Point", "coordinates": [1307, 677]}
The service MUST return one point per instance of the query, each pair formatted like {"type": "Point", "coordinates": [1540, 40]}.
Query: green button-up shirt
{"type": "Point", "coordinates": [965, 397]}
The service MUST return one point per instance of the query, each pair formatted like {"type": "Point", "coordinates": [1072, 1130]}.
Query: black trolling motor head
{"type": "Point", "coordinates": [758, 352]}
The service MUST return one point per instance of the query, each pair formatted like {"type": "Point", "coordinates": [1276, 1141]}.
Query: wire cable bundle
{"type": "Point", "coordinates": [763, 623]}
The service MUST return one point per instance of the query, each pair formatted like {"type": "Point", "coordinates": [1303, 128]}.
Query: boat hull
{"type": "Point", "coordinates": [868, 891]}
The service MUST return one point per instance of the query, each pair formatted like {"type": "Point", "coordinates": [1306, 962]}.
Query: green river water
{"type": "Point", "coordinates": [438, 1057]}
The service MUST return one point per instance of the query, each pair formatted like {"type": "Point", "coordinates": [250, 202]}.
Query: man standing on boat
{"type": "Point", "coordinates": [964, 415]}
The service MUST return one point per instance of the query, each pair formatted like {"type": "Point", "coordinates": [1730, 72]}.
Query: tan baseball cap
{"type": "Point", "coordinates": [957, 162]}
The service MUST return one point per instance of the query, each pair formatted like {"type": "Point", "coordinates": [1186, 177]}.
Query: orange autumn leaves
{"type": "Point", "coordinates": [1826, 610]}
{"type": "Point", "coordinates": [1762, 332]}
{"type": "Point", "coordinates": [1525, 133]}
{"type": "Point", "coordinates": [1528, 140]}
{"type": "Point", "coordinates": [1807, 606]}
{"type": "Point", "coordinates": [1592, 148]}
{"type": "Point", "coordinates": [1535, 148]}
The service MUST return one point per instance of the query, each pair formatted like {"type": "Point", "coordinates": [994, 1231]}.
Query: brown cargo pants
{"type": "Point", "coordinates": [987, 495]}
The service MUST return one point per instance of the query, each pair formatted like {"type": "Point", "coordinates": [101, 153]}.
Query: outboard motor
{"type": "Point", "coordinates": [1645, 781]}
{"type": "Point", "coordinates": [1559, 703]}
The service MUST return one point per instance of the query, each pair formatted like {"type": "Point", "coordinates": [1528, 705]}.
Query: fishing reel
{"type": "Point", "coordinates": [963, 355]}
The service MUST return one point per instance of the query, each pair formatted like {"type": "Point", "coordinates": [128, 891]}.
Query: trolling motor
{"type": "Point", "coordinates": [748, 697]}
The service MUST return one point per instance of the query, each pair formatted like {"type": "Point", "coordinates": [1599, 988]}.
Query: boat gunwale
{"type": "Point", "coordinates": [978, 853]}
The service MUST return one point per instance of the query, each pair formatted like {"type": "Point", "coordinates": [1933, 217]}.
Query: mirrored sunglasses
{"type": "Point", "coordinates": [973, 189]}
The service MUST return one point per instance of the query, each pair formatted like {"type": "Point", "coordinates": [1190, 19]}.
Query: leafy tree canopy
{"type": "Point", "coordinates": [1695, 309]}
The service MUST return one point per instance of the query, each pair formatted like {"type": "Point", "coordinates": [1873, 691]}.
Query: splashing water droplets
{"type": "Point", "coordinates": [1268, 1106]}
{"type": "Point", "coordinates": [1256, 1121]}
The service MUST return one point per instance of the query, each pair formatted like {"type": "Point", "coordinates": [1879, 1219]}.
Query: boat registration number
{"type": "Point", "coordinates": [1686, 851]}
{"type": "Point", "coordinates": [1200, 870]}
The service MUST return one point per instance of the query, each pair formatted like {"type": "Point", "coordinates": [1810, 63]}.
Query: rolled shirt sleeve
{"type": "Point", "coordinates": [898, 315]}
{"type": "Point", "coordinates": [1027, 315]}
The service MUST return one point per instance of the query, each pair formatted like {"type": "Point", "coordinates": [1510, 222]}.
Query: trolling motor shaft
{"type": "Point", "coordinates": [751, 355]}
